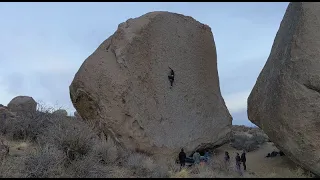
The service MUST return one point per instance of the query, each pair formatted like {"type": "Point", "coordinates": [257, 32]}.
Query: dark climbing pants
{"type": "Point", "coordinates": [182, 164]}
{"type": "Point", "coordinates": [244, 166]}
{"type": "Point", "coordinates": [171, 79]}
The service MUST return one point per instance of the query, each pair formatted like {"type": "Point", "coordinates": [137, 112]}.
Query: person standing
{"type": "Point", "coordinates": [243, 160]}
{"type": "Point", "coordinates": [182, 158]}
{"type": "Point", "coordinates": [206, 156]}
{"type": "Point", "coordinates": [226, 156]}
{"type": "Point", "coordinates": [238, 162]}
{"type": "Point", "coordinates": [196, 157]}
{"type": "Point", "coordinates": [227, 160]}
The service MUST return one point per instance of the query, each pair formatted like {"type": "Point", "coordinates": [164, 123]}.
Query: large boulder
{"type": "Point", "coordinates": [124, 86]}
{"type": "Point", "coordinates": [23, 104]}
{"type": "Point", "coordinates": [285, 99]}
{"type": "Point", "coordinates": [60, 112]}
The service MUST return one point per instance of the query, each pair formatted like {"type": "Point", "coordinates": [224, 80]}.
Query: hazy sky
{"type": "Point", "coordinates": [42, 45]}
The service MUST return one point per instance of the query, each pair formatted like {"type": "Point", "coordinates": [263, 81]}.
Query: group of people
{"type": "Point", "coordinates": [239, 160]}
{"type": "Point", "coordinates": [197, 159]}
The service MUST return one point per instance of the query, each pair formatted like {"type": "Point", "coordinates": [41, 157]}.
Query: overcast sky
{"type": "Point", "coordinates": [42, 45]}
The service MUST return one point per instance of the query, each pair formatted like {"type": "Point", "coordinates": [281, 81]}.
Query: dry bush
{"type": "Point", "coordinates": [106, 152]}
{"type": "Point", "coordinates": [260, 138]}
{"type": "Point", "coordinates": [184, 173]}
{"type": "Point", "coordinates": [119, 172]}
{"type": "Point", "coordinates": [144, 166]}
{"type": "Point", "coordinates": [26, 127]}
{"type": "Point", "coordinates": [12, 168]}
{"type": "Point", "coordinates": [101, 151]}
{"type": "Point", "coordinates": [161, 170]}
{"type": "Point", "coordinates": [68, 147]}
{"type": "Point", "coordinates": [71, 136]}
{"type": "Point", "coordinates": [249, 130]}
{"type": "Point", "coordinates": [88, 167]}
{"type": "Point", "coordinates": [47, 162]}
{"type": "Point", "coordinates": [31, 125]}
{"type": "Point", "coordinates": [208, 172]}
{"type": "Point", "coordinates": [54, 162]}
{"type": "Point", "coordinates": [247, 138]}
{"type": "Point", "coordinates": [248, 142]}
{"type": "Point", "coordinates": [173, 167]}
{"type": "Point", "coordinates": [135, 162]}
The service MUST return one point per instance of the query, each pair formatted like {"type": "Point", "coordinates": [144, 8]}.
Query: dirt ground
{"type": "Point", "coordinates": [14, 162]}
{"type": "Point", "coordinates": [258, 164]}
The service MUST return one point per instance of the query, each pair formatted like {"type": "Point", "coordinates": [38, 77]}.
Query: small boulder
{"type": "Point", "coordinates": [23, 104]}
{"type": "Point", "coordinates": [60, 112]}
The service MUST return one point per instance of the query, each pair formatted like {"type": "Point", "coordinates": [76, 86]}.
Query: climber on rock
{"type": "Point", "coordinates": [171, 77]}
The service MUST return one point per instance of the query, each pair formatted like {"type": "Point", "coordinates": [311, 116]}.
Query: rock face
{"type": "Point", "coordinates": [124, 86]}
{"type": "Point", "coordinates": [285, 101]}
{"type": "Point", "coordinates": [60, 112]}
{"type": "Point", "coordinates": [23, 104]}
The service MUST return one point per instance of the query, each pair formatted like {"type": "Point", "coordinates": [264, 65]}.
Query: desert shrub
{"type": "Point", "coordinates": [160, 171]}
{"type": "Point", "coordinates": [119, 172]}
{"type": "Point", "coordinates": [249, 130]}
{"type": "Point", "coordinates": [243, 141]}
{"type": "Point", "coordinates": [144, 166]}
{"type": "Point", "coordinates": [134, 160]}
{"type": "Point", "coordinates": [104, 153]}
{"type": "Point", "coordinates": [45, 163]}
{"type": "Point", "coordinates": [26, 127]}
{"type": "Point", "coordinates": [29, 126]}
{"type": "Point", "coordinates": [10, 168]}
{"type": "Point", "coordinates": [70, 136]}
{"type": "Point", "coordinates": [184, 173]}
{"type": "Point", "coordinates": [70, 148]}
{"type": "Point", "coordinates": [260, 138]}
{"type": "Point", "coordinates": [88, 167]}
